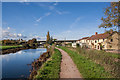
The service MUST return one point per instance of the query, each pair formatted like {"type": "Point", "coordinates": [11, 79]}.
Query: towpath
{"type": "Point", "coordinates": [68, 68]}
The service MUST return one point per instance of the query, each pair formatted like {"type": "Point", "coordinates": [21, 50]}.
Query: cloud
{"type": "Point", "coordinates": [26, 2]}
{"type": "Point", "coordinates": [19, 35]}
{"type": "Point", "coordinates": [75, 22]}
{"type": "Point", "coordinates": [9, 33]}
{"type": "Point", "coordinates": [8, 28]}
{"type": "Point", "coordinates": [39, 19]}
{"type": "Point", "coordinates": [45, 15]}
{"type": "Point", "coordinates": [49, 13]}
{"type": "Point", "coordinates": [31, 36]}
{"type": "Point", "coordinates": [52, 7]}
{"type": "Point", "coordinates": [56, 3]}
{"type": "Point", "coordinates": [23, 0]}
{"type": "Point", "coordinates": [61, 12]}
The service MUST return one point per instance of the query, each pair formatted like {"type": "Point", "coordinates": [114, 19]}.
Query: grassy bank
{"type": "Point", "coordinates": [110, 61]}
{"type": "Point", "coordinates": [9, 47]}
{"type": "Point", "coordinates": [51, 68]}
{"type": "Point", "coordinates": [87, 67]}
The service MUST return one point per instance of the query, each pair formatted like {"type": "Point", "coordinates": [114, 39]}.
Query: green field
{"type": "Point", "coordinates": [51, 68]}
{"type": "Point", "coordinates": [87, 67]}
{"type": "Point", "coordinates": [9, 47]}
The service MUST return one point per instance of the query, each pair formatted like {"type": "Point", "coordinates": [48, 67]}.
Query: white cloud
{"type": "Point", "coordinates": [45, 15]}
{"type": "Point", "coordinates": [52, 7]}
{"type": "Point", "coordinates": [23, 0]}
{"type": "Point", "coordinates": [75, 22]}
{"type": "Point", "coordinates": [10, 34]}
{"type": "Point", "coordinates": [8, 28]}
{"type": "Point", "coordinates": [55, 3]}
{"type": "Point", "coordinates": [19, 35]}
{"type": "Point", "coordinates": [31, 36]}
{"type": "Point", "coordinates": [61, 12]}
{"type": "Point", "coordinates": [39, 19]}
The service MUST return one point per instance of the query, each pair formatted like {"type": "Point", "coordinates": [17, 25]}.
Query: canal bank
{"type": "Point", "coordinates": [50, 69]}
{"type": "Point", "coordinates": [16, 49]}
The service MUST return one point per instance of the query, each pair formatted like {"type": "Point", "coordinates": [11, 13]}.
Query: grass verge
{"type": "Point", "coordinates": [9, 47]}
{"type": "Point", "coordinates": [110, 61]}
{"type": "Point", "coordinates": [87, 67]}
{"type": "Point", "coordinates": [51, 68]}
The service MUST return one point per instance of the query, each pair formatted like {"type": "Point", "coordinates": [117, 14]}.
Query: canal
{"type": "Point", "coordinates": [16, 65]}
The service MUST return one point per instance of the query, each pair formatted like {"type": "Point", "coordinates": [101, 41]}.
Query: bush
{"type": "Point", "coordinates": [26, 45]}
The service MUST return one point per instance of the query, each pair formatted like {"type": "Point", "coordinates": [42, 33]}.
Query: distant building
{"type": "Point", "coordinates": [82, 42]}
{"type": "Point", "coordinates": [105, 41]}
{"type": "Point", "coordinates": [74, 45]}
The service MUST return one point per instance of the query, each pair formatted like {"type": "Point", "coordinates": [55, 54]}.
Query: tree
{"type": "Point", "coordinates": [34, 40]}
{"type": "Point", "coordinates": [111, 16]}
{"type": "Point", "coordinates": [51, 40]}
{"type": "Point", "coordinates": [54, 39]}
{"type": "Point", "coordinates": [48, 38]}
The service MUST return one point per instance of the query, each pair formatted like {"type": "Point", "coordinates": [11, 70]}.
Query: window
{"type": "Point", "coordinates": [95, 41]}
{"type": "Point", "coordinates": [98, 47]}
{"type": "Point", "coordinates": [111, 40]}
{"type": "Point", "coordinates": [103, 40]}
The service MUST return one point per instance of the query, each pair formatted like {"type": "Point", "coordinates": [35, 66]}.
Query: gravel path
{"type": "Point", "coordinates": [68, 68]}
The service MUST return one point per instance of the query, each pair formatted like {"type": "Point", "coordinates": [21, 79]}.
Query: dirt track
{"type": "Point", "coordinates": [68, 68]}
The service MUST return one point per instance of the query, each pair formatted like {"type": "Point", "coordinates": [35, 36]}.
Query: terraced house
{"type": "Point", "coordinates": [105, 41]}
{"type": "Point", "coordinates": [82, 42]}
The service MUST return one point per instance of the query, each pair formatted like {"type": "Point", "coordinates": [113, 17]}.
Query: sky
{"type": "Point", "coordinates": [64, 20]}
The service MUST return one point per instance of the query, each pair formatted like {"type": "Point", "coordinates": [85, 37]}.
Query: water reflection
{"type": "Point", "coordinates": [14, 65]}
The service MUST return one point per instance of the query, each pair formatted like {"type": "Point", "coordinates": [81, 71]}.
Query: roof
{"type": "Point", "coordinates": [100, 36]}
{"type": "Point", "coordinates": [83, 38]}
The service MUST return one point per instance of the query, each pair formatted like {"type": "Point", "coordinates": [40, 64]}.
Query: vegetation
{"type": "Point", "coordinates": [109, 61]}
{"type": "Point", "coordinates": [51, 68]}
{"type": "Point", "coordinates": [111, 16]}
{"type": "Point", "coordinates": [31, 43]}
{"type": "Point", "coordinates": [10, 44]}
{"type": "Point", "coordinates": [9, 47]}
{"type": "Point", "coordinates": [87, 67]}
{"type": "Point", "coordinates": [49, 39]}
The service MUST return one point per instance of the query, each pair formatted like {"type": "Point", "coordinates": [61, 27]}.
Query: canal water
{"type": "Point", "coordinates": [16, 65]}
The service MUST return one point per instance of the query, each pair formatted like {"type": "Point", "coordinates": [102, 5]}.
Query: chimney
{"type": "Point", "coordinates": [111, 31]}
{"type": "Point", "coordinates": [96, 33]}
